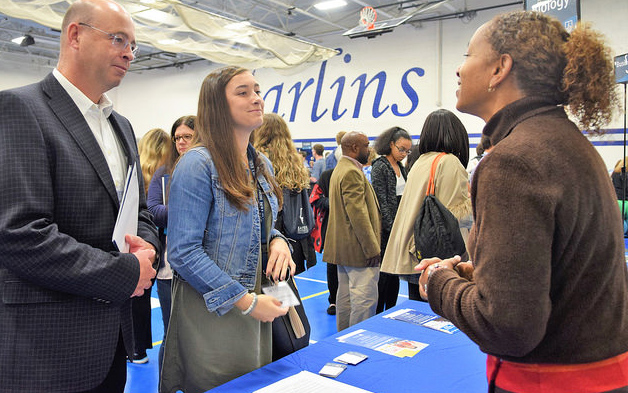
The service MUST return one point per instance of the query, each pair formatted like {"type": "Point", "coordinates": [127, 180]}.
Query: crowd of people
{"type": "Point", "coordinates": [542, 287]}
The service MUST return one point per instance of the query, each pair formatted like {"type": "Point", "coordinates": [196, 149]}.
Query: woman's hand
{"type": "Point", "coordinates": [465, 269]}
{"type": "Point", "coordinates": [429, 264]}
{"type": "Point", "coordinates": [266, 308]}
{"type": "Point", "coordinates": [279, 260]}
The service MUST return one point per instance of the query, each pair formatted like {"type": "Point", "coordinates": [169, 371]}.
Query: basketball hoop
{"type": "Point", "coordinates": [368, 16]}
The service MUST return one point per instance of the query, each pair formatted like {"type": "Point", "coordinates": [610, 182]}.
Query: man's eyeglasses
{"type": "Point", "coordinates": [403, 150]}
{"type": "Point", "coordinates": [186, 138]}
{"type": "Point", "coordinates": [120, 42]}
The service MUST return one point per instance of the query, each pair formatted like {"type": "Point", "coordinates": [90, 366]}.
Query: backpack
{"type": "Point", "coordinates": [436, 229]}
{"type": "Point", "coordinates": [319, 218]}
{"type": "Point", "coordinates": [298, 217]}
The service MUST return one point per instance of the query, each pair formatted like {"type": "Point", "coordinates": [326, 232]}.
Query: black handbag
{"type": "Point", "coordinates": [291, 332]}
{"type": "Point", "coordinates": [436, 229]}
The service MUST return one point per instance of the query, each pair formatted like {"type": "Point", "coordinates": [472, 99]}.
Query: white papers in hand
{"type": "Point", "coordinates": [282, 292]}
{"type": "Point", "coordinates": [126, 223]}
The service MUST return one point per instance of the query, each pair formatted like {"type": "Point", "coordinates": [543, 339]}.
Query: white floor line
{"type": "Point", "coordinates": [311, 279]}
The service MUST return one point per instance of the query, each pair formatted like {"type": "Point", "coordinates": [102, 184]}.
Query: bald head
{"type": "Point", "coordinates": [356, 145]}
{"type": "Point", "coordinates": [88, 11]}
{"type": "Point", "coordinates": [90, 58]}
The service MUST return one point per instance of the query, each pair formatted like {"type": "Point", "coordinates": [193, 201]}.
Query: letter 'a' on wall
{"type": "Point", "coordinates": [566, 11]}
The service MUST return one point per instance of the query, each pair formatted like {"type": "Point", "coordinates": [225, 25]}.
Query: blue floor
{"type": "Point", "coordinates": [312, 284]}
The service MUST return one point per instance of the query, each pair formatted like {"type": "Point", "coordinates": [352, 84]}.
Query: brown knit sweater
{"type": "Point", "coordinates": [550, 280]}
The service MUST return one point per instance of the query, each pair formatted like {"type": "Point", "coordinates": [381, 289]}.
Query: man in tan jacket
{"type": "Point", "coordinates": [353, 234]}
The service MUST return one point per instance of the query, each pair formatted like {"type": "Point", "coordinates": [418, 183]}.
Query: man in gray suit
{"type": "Point", "coordinates": [65, 315]}
{"type": "Point", "coordinates": [352, 241]}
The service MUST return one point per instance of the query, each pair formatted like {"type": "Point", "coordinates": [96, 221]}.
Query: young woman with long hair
{"type": "Point", "coordinates": [221, 211]}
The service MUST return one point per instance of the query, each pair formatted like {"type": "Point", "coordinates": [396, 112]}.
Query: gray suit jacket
{"type": "Point", "coordinates": [64, 289]}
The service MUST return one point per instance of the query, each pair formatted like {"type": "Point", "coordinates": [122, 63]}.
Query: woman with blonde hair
{"type": "Point", "coordinates": [546, 294]}
{"type": "Point", "coordinates": [274, 140]}
{"type": "Point", "coordinates": [154, 150]}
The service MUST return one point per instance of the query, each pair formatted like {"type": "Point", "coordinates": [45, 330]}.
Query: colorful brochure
{"type": "Point", "coordinates": [428, 320]}
{"type": "Point", "coordinates": [383, 343]}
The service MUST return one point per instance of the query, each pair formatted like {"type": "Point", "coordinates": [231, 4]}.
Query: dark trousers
{"type": "Point", "coordinates": [164, 291]}
{"type": "Point", "coordinates": [142, 330]}
{"type": "Point", "coordinates": [388, 290]}
{"type": "Point", "coordinates": [332, 282]}
{"type": "Point", "coordinates": [115, 380]}
{"type": "Point", "coordinates": [413, 292]}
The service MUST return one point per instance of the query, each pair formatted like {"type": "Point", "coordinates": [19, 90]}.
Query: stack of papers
{"type": "Point", "coordinates": [127, 220]}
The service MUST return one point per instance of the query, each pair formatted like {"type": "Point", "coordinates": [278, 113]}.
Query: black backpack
{"type": "Point", "coordinates": [436, 229]}
{"type": "Point", "coordinates": [298, 217]}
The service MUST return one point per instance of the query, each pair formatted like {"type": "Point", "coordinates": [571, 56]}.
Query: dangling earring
{"type": "Point", "coordinates": [491, 89]}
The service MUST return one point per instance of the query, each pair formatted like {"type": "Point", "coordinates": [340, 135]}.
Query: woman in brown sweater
{"type": "Point", "coordinates": [546, 295]}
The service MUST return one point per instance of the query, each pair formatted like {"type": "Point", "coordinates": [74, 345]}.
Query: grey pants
{"type": "Point", "coordinates": [356, 299]}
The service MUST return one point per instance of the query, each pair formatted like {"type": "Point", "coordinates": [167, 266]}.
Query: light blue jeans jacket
{"type": "Point", "coordinates": [211, 244]}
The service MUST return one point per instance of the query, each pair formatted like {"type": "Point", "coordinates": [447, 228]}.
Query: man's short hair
{"type": "Point", "coordinates": [318, 149]}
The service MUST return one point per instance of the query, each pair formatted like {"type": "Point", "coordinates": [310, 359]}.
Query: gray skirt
{"type": "Point", "coordinates": [203, 350]}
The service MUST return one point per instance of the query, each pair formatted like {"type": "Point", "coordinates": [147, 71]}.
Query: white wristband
{"type": "Point", "coordinates": [252, 305]}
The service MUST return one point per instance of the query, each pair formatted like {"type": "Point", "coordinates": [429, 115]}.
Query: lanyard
{"type": "Point", "coordinates": [260, 200]}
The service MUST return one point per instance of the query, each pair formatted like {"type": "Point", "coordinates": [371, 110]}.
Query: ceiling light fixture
{"type": "Point", "coordinates": [25, 40]}
{"type": "Point", "coordinates": [328, 5]}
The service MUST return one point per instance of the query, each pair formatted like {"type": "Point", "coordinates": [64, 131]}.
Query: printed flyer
{"type": "Point", "coordinates": [383, 343]}
{"type": "Point", "coordinates": [428, 320]}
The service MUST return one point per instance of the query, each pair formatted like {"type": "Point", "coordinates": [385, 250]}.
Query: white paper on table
{"type": "Point", "coordinates": [126, 223]}
{"type": "Point", "coordinates": [307, 382]}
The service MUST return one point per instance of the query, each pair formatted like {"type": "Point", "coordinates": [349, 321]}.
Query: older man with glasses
{"type": "Point", "coordinates": [65, 318]}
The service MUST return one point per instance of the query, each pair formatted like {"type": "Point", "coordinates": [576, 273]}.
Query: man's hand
{"type": "Point", "coordinates": [145, 254]}
{"type": "Point", "coordinates": [374, 261]}
{"type": "Point", "coordinates": [136, 243]}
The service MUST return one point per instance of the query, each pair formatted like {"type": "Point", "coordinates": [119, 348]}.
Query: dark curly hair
{"type": "Point", "coordinates": [574, 69]}
{"type": "Point", "coordinates": [382, 143]}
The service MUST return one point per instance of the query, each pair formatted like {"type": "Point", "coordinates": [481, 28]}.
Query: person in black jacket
{"type": "Point", "coordinates": [388, 176]}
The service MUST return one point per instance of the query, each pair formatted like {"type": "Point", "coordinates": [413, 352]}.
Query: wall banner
{"type": "Point", "coordinates": [566, 11]}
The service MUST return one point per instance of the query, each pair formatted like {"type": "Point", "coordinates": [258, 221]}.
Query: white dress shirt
{"type": "Point", "coordinates": [96, 116]}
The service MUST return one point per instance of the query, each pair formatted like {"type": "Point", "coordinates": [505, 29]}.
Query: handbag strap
{"type": "Point", "coordinates": [295, 322]}
{"type": "Point", "coordinates": [431, 185]}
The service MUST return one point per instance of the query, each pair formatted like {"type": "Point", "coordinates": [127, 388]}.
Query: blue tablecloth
{"type": "Point", "coordinates": [451, 362]}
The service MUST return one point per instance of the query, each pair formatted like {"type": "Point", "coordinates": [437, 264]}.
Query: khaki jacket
{"type": "Point", "coordinates": [354, 227]}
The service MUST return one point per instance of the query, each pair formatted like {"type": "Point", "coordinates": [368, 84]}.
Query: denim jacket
{"type": "Point", "coordinates": [211, 244]}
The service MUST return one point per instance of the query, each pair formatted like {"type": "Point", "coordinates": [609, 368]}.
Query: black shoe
{"type": "Point", "coordinates": [140, 358]}
{"type": "Point", "coordinates": [331, 310]}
